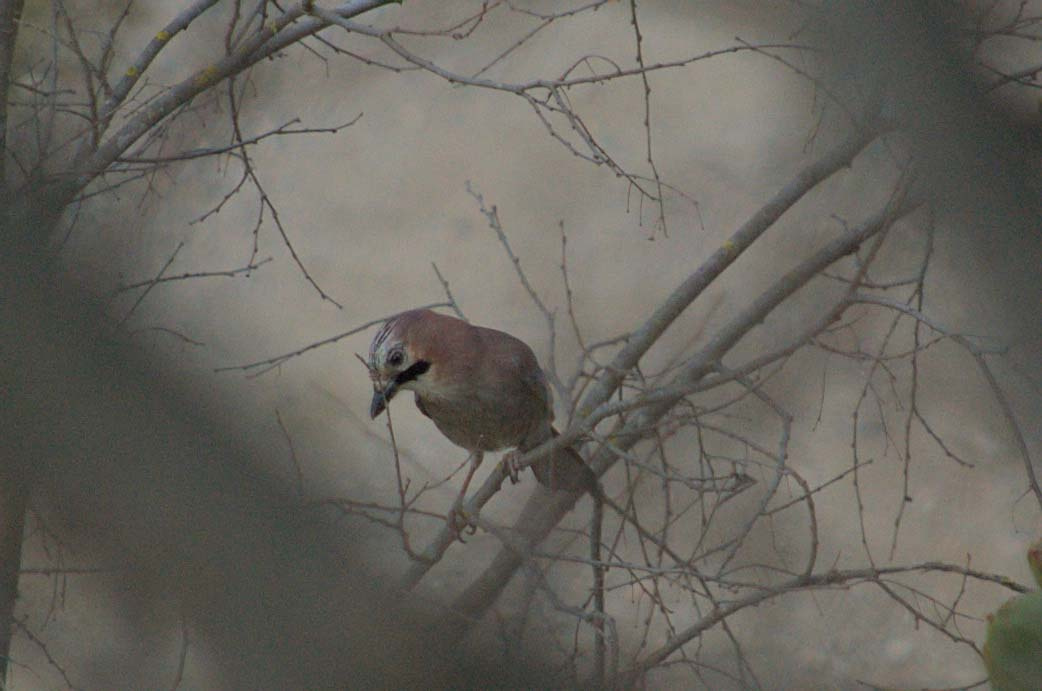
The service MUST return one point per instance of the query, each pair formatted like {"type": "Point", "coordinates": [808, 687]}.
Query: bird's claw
{"type": "Point", "coordinates": [510, 461]}
{"type": "Point", "coordinates": [459, 522]}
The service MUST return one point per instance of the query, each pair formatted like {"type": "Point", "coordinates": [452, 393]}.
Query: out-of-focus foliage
{"type": "Point", "coordinates": [1013, 651]}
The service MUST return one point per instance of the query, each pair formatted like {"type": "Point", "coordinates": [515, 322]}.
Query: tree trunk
{"type": "Point", "coordinates": [13, 486]}
{"type": "Point", "coordinates": [13, 500]}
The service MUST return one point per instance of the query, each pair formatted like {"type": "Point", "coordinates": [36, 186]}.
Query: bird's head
{"type": "Point", "coordinates": [394, 360]}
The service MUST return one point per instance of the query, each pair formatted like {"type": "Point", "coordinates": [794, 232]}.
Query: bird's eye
{"type": "Point", "coordinates": [395, 359]}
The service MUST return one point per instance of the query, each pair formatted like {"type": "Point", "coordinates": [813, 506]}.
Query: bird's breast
{"type": "Point", "coordinates": [475, 424]}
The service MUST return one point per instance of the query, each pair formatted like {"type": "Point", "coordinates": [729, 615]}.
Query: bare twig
{"type": "Point", "coordinates": [42, 647]}
{"type": "Point", "coordinates": [448, 293]}
{"type": "Point", "coordinates": [149, 285]}
{"type": "Point", "coordinates": [262, 366]}
{"type": "Point", "coordinates": [978, 353]}
{"type": "Point", "coordinates": [227, 273]}
{"type": "Point", "coordinates": [281, 130]}
{"type": "Point", "coordinates": [825, 579]}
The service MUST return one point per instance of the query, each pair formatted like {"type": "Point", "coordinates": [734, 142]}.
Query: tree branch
{"type": "Point", "coordinates": [10, 13]}
{"type": "Point", "coordinates": [641, 340]}
{"type": "Point", "coordinates": [537, 521]}
{"type": "Point", "coordinates": [13, 502]}
{"type": "Point", "coordinates": [807, 581]}
{"type": "Point", "coordinates": [259, 46]}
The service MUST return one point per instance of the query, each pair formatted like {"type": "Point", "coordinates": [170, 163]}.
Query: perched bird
{"type": "Point", "coordinates": [483, 389]}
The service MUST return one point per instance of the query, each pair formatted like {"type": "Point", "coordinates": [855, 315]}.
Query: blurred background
{"type": "Point", "coordinates": [181, 529]}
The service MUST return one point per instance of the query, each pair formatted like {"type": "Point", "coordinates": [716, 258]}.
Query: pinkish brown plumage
{"type": "Point", "coordinates": [483, 389]}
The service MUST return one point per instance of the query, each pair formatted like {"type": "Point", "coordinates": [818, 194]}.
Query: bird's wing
{"type": "Point", "coordinates": [525, 370]}
{"type": "Point", "coordinates": [515, 384]}
{"type": "Point", "coordinates": [535, 382]}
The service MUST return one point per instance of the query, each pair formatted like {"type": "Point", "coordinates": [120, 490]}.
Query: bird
{"type": "Point", "coordinates": [482, 388]}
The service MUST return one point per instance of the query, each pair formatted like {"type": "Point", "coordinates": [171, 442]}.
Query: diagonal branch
{"type": "Point", "coordinates": [537, 522]}
{"type": "Point", "coordinates": [267, 40]}
{"type": "Point", "coordinates": [642, 339]}
{"type": "Point", "coordinates": [144, 60]}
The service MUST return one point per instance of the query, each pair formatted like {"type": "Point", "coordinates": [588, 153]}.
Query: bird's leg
{"type": "Point", "coordinates": [457, 517]}
{"type": "Point", "coordinates": [510, 463]}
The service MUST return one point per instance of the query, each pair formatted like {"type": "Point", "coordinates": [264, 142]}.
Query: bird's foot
{"type": "Point", "coordinates": [459, 521]}
{"type": "Point", "coordinates": [510, 462]}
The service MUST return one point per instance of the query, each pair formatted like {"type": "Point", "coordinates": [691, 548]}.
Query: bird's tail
{"type": "Point", "coordinates": [565, 470]}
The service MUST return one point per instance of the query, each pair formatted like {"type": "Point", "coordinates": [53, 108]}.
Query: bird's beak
{"type": "Point", "coordinates": [381, 399]}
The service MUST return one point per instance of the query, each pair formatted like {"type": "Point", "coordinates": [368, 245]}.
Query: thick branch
{"type": "Point", "coordinates": [256, 48]}
{"type": "Point", "coordinates": [644, 337]}
{"type": "Point", "coordinates": [534, 528]}
{"type": "Point", "coordinates": [144, 60]}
